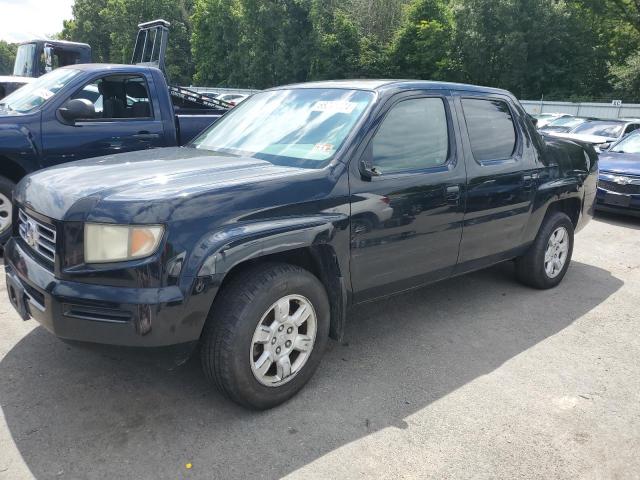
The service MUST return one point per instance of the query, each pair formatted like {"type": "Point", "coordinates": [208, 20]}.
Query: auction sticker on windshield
{"type": "Point", "coordinates": [334, 106]}
{"type": "Point", "coordinates": [43, 93]}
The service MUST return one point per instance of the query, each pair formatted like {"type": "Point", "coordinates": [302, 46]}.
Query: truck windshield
{"type": "Point", "coordinates": [630, 144]}
{"type": "Point", "coordinates": [32, 95]}
{"type": "Point", "coordinates": [298, 127]}
{"type": "Point", "coordinates": [603, 129]}
{"type": "Point", "coordinates": [23, 66]}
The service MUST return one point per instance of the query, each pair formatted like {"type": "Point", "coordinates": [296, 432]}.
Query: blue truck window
{"type": "Point", "coordinates": [118, 97]}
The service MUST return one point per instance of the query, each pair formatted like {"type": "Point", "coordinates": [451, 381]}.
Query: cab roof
{"type": "Point", "coordinates": [399, 85]}
{"type": "Point", "coordinates": [57, 42]}
{"type": "Point", "coordinates": [116, 67]}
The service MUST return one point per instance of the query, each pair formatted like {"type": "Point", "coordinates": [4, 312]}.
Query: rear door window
{"type": "Point", "coordinates": [492, 133]}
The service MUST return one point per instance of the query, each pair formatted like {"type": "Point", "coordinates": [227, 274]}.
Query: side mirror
{"type": "Point", "coordinates": [534, 120]}
{"type": "Point", "coordinates": [367, 170]}
{"type": "Point", "coordinates": [603, 147]}
{"type": "Point", "coordinates": [77, 109]}
{"type": "Point", "coordinates": [48, 58]}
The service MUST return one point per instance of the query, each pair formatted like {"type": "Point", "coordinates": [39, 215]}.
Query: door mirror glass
{"type": "Point", "coordinates": [78, 109]}
{"type": "Point", "coordinates": [48, 58]}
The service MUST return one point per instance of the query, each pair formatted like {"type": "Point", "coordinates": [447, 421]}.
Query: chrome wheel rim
{"type": "Point", "coordinates": [283, 340]}
{"type": "Point", "coordinates": [6, 210]}
{"type": "Point", "coordinates": [555, 256]}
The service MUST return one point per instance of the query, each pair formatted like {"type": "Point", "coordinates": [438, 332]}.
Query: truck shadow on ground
{"type": "Point", "coordinates": [78, 413]}
{"type": "Point", "coordinates": [626, 221]}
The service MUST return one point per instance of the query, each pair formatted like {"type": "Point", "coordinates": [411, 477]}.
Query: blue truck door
{"type": "Point", "coordinates": [502, 179]}
{"type": "Point", "coordinates": [126, 119]}
{"type": "Point", "coordinates": [406, 223]}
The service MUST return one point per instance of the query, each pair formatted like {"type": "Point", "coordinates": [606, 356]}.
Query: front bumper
{"type": "Point", "coordinates": [137, 317]}
{"type": "Point", "coordinates": [626, 204]}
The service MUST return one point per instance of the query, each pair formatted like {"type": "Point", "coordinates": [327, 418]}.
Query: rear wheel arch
{"type": "Point", "coordinates": [571, 207]}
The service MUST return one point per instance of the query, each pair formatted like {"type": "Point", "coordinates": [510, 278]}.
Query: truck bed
{"type": "Point", "coordinates": [189, 125]}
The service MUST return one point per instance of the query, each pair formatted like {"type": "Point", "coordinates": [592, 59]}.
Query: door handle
{"type": "Point", "coordinates": [528, 179]}
{"type": "Point", "coordinates": [146, 136]}
{"type": "Point", "coordinates": [453, 194]}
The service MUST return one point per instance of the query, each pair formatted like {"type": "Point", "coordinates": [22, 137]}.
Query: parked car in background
{"type": "Point", "coordinates": [564, 124]}
{"type": "Point", "coordinates": [600, 133]}
{"type": "Point", "coordinates": [87, 111]}
{"type": "Point", "coordinates": [619, 181]}
{"type": "Point", "coordinates": [233, 98]}
{"type": "Point", "coordinates": [37, 57]}
{"type": "Point", "coordinates": [250, 244]}
{"type": "Point", "coordinates": [543, 119]}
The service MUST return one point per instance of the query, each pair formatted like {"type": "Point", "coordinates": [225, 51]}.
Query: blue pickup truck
{"type": "Point", "coordinates": [91, 110]}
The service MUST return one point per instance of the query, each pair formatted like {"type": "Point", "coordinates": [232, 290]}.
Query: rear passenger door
{"type": "Point", "coordinates": [502, 176]}
{"type": "Point", "coordinates": [406, 222]}
{"type": "Point", "coordinates": [126, 120]}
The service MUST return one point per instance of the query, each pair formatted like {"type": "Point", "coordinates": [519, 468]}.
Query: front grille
{"type": "Point", "coordinates": [39, 236]}
{"type": "Point", "coordinates": [625, 188]}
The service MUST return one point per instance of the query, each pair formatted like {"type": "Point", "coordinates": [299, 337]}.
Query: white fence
{"type": "Point", "coordinates": [221, 90]}
{"type": "Point", "coordinates": [585, 109]}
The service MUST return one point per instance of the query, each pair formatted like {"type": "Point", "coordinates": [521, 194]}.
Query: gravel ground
{"type": "Point", "coordinates": [475, 377]}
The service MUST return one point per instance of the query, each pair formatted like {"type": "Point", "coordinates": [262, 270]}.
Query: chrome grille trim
{"type": "Point", "coordinates": [40, 237]}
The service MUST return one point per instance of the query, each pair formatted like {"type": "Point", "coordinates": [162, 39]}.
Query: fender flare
{"type": "Point", "coordinates": [18, 147]}
{"type": "Point", "coordinates": [218, 252]}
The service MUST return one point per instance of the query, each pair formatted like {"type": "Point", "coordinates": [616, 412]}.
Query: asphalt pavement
{"type": "Point", "coordinates": [474, 377]}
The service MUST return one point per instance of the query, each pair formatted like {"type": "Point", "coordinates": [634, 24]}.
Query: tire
{"type": "Point", "coordinates": [533, 268]}
{"type": "Point", "coordinates": [230, 354]}
{"type": "Point", "coordinates": [6, 208]}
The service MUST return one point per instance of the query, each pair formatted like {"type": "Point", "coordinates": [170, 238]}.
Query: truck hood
{"type": "Point", "coordinates": [136, 183]}
{"type": "Point", "coordinates": [592, 139]}
{"type": "Point", "coordinates": [15, 79]}
{"type": "Point", "coordinates": [621, 163]}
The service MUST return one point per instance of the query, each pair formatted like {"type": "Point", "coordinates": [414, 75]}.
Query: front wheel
{"type": "Point", "coordinates": [546, 262]}
{"type": "Point", "coordinates": [266, 334]}
{"type": "Point", "coordinates": [6, 208]}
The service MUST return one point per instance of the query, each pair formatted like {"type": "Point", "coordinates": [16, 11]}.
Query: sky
{"type": "Point", "coordinates": [28, 19]}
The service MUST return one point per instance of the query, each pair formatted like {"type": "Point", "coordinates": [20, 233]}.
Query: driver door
{"type": "Point", "coordinates": [125, 120]}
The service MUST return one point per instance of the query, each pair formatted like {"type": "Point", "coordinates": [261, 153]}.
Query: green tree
{"type": "Point", "coordinates": [88, 25]}
{"type": "Point", "coordinates": [531, 47]}
{"type": "Point", "coordinates": [421, 46]}
{"type": "Point", "coordinates": [110, 27]}
{"type": "Point", "coordinates": [336, 42]}
{"type": "Point", "coordinates": [626, 77]}
{"type": "Point", "coordinates": [215, 43]}
{"type": "Point", "coordinates": [377, 20]}
{"type": "Point", "coordinates": [7, 57]}
{"type": "Point", "coordinates": [122, 18]}
{"type": "Point", "coordinates": [277, 41]}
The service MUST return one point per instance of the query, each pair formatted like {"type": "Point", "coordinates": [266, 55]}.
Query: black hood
{"type": "Point", "coordinates": [126, 186]}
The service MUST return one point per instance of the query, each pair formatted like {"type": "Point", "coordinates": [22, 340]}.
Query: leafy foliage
{"type": "Point", "coordinates": [555, 48]}
{"type": "Point", "coordinates": [110, 26]}
{"type": "Point", "coordinates": [7, 57]}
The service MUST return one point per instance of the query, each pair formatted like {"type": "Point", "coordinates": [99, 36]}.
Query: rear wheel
{"type": "Point", "coordinates": [266, 334]}
{"type": "Point", "coordinates": [546, 262]}
{"type": "Point", "coordinates": [6, 208]}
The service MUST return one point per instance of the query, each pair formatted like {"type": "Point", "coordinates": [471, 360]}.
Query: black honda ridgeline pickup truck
{"type": "Point", "coordinates": [254, 240]}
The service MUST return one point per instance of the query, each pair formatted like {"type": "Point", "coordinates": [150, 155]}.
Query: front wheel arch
{"type": "Point", "coordinates": [321, 261]}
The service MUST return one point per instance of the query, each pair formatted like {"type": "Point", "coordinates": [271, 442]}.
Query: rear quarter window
{"type": "Point", "coordinates": [492, 133]}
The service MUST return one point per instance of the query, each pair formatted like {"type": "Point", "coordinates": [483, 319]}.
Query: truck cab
{"type": "Point", "coordinates": [254, 241]}
{"type": "Point", "coordinates": [37, 57]}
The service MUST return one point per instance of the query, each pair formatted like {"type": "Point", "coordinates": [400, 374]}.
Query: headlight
{"type": "Point", "coordinates": [115, 243]}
